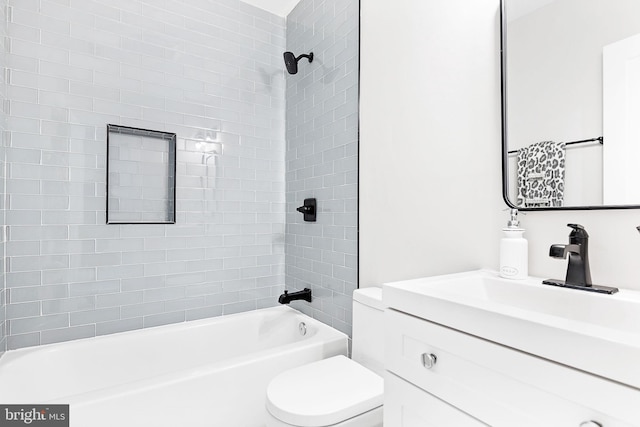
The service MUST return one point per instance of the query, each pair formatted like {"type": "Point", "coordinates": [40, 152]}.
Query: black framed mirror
{"type": "Point", "coordinates": [570, 102]}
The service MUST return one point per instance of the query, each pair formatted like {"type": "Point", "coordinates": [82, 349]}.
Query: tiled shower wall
{"type": "Point", "coordinates": [3, 127]}
{"type": "Point", "coordinates": [322, 157]}
{"type": "Point", "coordinates": [208, 70]}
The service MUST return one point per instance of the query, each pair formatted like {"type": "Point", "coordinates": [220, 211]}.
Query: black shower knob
{"type": "Point", "coordinates": [308, 209]}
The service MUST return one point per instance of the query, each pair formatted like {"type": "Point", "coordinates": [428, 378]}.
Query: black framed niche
{"type": "Point", "coordinates": [141, 176]}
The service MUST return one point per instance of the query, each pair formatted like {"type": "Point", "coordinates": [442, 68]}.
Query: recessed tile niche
{"type": "Point", "coordinates": [141, 175]}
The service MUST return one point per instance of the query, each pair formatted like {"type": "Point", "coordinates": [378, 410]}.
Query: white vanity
{"type": "Point", "coordinates": [474, 349]}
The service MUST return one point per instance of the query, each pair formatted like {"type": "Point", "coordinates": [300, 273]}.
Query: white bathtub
{"type": "Point", "coordinates": [210, 372]}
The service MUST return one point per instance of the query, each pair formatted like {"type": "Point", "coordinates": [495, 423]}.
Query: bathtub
{"type": "Point", "coordinates": [210, 372]}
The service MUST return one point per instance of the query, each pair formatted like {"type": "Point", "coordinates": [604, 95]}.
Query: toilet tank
{"type": "Point", "coordinates": [368, 333]}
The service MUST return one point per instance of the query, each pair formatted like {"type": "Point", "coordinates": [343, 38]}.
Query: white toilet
{"type": "Point", "coordinates": [336, 392]}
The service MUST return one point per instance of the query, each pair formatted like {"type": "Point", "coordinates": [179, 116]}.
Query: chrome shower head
{"type": "Point", "coordinates": [291, 61]}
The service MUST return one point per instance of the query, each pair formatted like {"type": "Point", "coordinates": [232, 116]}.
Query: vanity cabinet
{"type": "Point", "coordinates": [440, 376]}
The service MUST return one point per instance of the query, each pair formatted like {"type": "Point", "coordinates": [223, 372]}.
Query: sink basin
{"type": "Point", "coordinates": [597, 333]}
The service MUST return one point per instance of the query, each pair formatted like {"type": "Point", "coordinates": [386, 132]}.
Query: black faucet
{"type": "Point", "coordinates": [578, 272]}
{"type": "Point", "coordinates": [287, 297]}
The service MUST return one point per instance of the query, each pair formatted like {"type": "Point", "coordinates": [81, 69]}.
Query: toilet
{"type": "Point", "coordinates": [338, 391]}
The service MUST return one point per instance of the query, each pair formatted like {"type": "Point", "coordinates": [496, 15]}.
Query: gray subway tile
{"type": "Point", "coordinates": [186, 278]}
{"type": "Point", "coordinates": [164, 294]}
{"type": "Point", "coordinates": [66, 246]}
{"type": "Point", "coordinates": [141, 283]}
{"type": "Point", "coordinates": [25, 309]}
{"type": "Point", "coordinates": [141, 310]}
{"type": "Point", "coordinates": [67, 334]}
{"type": "Point", "coordinates": [164, 319]}
{"type": "Point", "coordinates": [223, 298]}
{"type": "Point", "coordinates": [115, 326]}
{"type": "Point", "coordinates": [23, 278]}
{"type": "Point", "coordinates": [329, 153]}
{"type": "Point", "coordinates": [72, 275]}
{"type": "Point", "coordinates": [38, 293]}
{"type": "Point", "coordinates": [203, 312]}
{"type": "Point", "coordinates": [41, 262]}
{"type": "Point", "coordinates": [79, 259]}
{"type": "Point", "coordinates": [203, 289]}
{"type": "Point", "coordinates": [120, 271]}
{"type": "Point", "coordinates": [239, 307]}
{"type": "Point", "coordinates": [16, 341]}
{"type": "Point", "coordinates": [95, 260]}
{"type": "Point", "coordinates": [119, 299]}
{"type": "Point", "coordinates": [38, 323]}
{"type": "Point", "coordinates": [184, 304]}
{"type": "Point", "coordinates": [68, 305]}
{"type": "Point", "coordinates": [94, 288]}
{"type": "Point", "coordinates": [94, 316]}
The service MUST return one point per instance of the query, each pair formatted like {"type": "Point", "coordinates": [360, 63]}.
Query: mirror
{"type": "Point", "coordinates": [570, 104]}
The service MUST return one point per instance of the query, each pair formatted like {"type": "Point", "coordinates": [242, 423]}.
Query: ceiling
{"type": "Point", "coordinates": [278, 7]}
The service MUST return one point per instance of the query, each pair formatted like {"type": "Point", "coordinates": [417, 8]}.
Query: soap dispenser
{"type": "Point", "coordinates": [514, 251]}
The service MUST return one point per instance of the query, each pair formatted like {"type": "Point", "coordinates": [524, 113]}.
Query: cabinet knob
{"type": "Point", "coordinates": [590, 424]}
{"type": "Point", "coordinates": [430, 359]}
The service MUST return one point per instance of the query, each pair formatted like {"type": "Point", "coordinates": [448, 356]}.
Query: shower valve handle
{"type": "Point", "coordinates": [306, 209]}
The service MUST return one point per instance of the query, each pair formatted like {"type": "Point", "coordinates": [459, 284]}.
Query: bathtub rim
{"type": "Point", "coordinates": [325, 335]}
{"type": "Point", "coordinates": [150, 330]}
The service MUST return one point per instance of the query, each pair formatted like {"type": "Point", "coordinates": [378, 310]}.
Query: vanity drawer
{"type": "Point", "coordinates": [499, 385]}
{"type": "Point", "coordinates": [406, 405]}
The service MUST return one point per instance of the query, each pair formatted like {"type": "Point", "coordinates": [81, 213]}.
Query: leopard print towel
{"type": "Point", "coordinates": [541, 175]}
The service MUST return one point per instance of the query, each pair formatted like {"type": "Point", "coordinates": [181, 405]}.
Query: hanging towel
{"type": "Point", "coordinates": [541, 175]}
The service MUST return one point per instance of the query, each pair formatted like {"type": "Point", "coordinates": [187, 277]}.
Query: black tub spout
{"type": "Point", "coordinates": [287, 297]}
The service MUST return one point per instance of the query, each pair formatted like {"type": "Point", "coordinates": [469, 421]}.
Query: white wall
{"type": "Point", "coordinates": [430, 195]}
{"type": "Point", "coordinates": [430, 153]}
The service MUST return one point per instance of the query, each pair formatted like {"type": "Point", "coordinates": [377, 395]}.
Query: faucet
{"type": "Point", "coordinates": [287, 297]}
{"type": "Point", "coordinates": [578, 272]}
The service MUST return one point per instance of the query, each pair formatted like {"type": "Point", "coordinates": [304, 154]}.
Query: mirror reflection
{"type": "Point", "coordinates": [571, 103]}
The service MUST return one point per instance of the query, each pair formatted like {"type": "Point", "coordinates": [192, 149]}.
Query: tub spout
{"type": "Point", "coordinates": [287, 297]}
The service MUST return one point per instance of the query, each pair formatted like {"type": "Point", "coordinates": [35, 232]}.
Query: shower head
{"type": "Point", "coordinates": [291, 61]}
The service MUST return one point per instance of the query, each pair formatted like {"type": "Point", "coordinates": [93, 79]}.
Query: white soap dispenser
{"type": "Point", "coordinates": [514, 250]}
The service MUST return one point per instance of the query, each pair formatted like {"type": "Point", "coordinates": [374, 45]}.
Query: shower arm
{"type": "Point", "coordinates": [309, 56]}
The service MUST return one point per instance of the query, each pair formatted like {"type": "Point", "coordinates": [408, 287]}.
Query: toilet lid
{"type": "Point", "coordinates": [324, 393]}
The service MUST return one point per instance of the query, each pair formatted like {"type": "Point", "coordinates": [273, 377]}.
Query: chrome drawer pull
{"type": "Point", "coordinates": [590, 424]}
{"type": "Point", "coordinates": [428, 360]}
